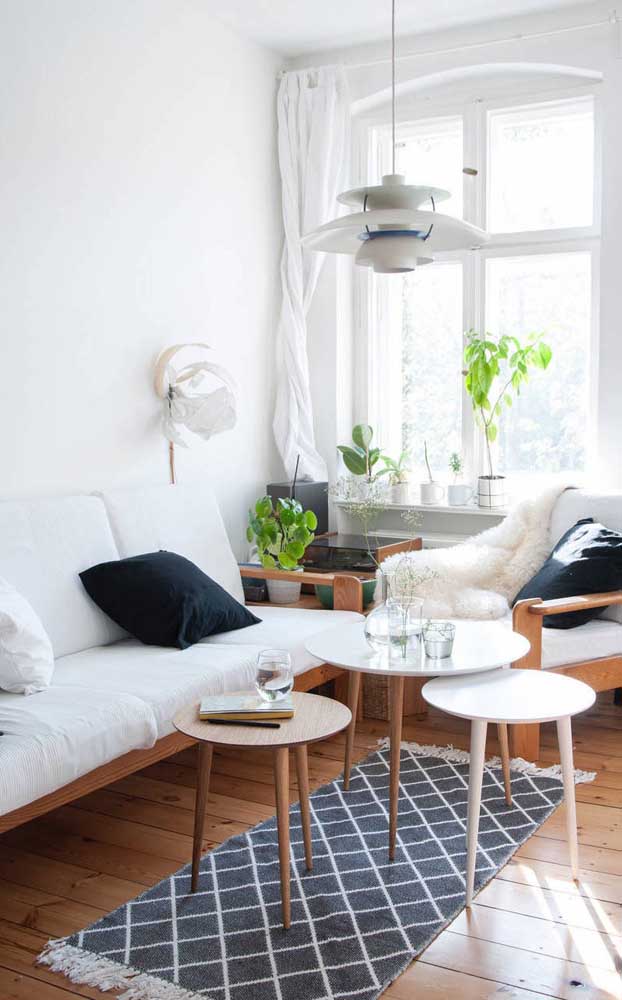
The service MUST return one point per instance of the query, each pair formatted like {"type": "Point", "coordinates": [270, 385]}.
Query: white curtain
{"type": "Point", "coordinates": [313, 138]}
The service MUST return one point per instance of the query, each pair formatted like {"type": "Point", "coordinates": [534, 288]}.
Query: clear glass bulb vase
{"type": "Point", "coordinates": [396, 623]}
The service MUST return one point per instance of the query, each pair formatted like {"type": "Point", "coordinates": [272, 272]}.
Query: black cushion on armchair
{"type": "Point", "coordinates": [586, 560]}
{"type": "Point", "coordinates": [163, 599]}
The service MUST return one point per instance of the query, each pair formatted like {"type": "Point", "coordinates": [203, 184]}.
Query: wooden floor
{"type": "Point", "coordinates": [532, 933]}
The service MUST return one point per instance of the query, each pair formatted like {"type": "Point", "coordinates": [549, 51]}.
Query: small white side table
{"type": "Point", "coordinates": [512, 696]}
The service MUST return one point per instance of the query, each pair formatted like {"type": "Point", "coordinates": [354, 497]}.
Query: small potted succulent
{"type": "Point", "coordinates": [430, 492]}
{"type": "Point", "coordinates": [397, 471]}
{"type": "Point", "coordinates": [458, 494]}
{"type": "Point", "coordinates": [281, 533]}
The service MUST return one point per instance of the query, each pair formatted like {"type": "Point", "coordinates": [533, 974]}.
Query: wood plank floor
{"type": "Point", "coordinates": [533, 933]}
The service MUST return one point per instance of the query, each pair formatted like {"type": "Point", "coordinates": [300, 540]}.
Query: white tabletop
{"type": "Point", "coordinates": [512, 696]}
{"type": "Point", "coordinates": [478, 646]}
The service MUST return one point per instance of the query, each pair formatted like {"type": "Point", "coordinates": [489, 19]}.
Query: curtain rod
{"type": "Point", "coordinates": [612, 19]}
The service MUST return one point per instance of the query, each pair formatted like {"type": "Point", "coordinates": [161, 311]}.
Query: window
{"type": "Point", "coordinates": [535, 194]}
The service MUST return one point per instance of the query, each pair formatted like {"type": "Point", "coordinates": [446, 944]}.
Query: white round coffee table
{"type": "Point", "coordinates": [512, 697]}
{"type": "Point", "coordinates": [479, 646]}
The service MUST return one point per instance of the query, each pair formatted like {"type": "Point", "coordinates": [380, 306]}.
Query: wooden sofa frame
{"type": "Point", "coordinates": [347, 596]}
{"type": "Point", "coordinates": [602, 674]}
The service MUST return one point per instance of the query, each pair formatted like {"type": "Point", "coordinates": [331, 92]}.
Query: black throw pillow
{"type": "Point", "coordinates": [164, 600]}
{"type": "Point", "coordinates": [586, 560]}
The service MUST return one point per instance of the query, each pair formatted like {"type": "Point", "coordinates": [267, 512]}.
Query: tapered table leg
{"type": "Point", "coordinates": [203, 774]}
{"type": "Point", "coordinates": [302, 771]}
{"type": "Point", "coordinates": [564, 736]}
{"type": "Point", "coordinates": [504, 744]}
{"type": "Point", "coordinates": [476, 774]}
{"type": "Point", "coordinates": [354, 686]}
{"type": "Point", "coordinates": [396, 708]}
{"type": "Point", "coordinates": [281, 783]}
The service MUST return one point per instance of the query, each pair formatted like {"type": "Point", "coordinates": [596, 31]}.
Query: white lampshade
{"type": "Point", "coordinates": [392, 253]}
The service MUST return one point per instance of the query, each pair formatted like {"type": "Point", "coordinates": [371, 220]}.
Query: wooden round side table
{"type": "Point", "coordinates": [315, 718]}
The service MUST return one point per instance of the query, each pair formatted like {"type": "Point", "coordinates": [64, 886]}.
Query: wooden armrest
{"type": "Point", "coordinates": [580, 603]}
{"type": "Point", "coordinates": [347, 590]}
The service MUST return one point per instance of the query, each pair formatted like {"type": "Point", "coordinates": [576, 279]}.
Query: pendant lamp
{"type": "Point", "coordinates": [393, 232]}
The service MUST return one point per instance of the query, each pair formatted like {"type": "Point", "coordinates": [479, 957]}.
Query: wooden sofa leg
{"type": "Point", "coordinates": [526, 741]}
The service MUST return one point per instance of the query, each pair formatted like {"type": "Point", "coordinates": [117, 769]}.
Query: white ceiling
{"type": "Point", "coordinates": [294, 27]}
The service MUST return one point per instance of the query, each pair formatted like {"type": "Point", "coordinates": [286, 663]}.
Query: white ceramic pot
{"type": "Point", "coordinates": [492, 491]}
{"type": "Point", "coordinates": [284, 591]}
{"type": "Point", "coordinates": [431, 492]}
{"type": "Point", "coordinates": [399, 493]}
{"type": "Point", "coordinates": [459, 494]}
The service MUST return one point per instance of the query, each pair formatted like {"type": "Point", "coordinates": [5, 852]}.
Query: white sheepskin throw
{"type": "Point", "coordinates": [479, 577]}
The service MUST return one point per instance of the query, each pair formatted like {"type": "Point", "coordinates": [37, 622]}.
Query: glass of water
{"type": "Point", "coordinates": [274, 678]}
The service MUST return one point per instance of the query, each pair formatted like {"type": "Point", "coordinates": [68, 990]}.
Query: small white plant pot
{"type": "Point", "coordinates": [459, 495]}
{"type": "Point", "coordinates": [431, 492]}
{"type": "Point", "coordinates": [284, 591]}
{"type": "Point", "coordinates": [492, 491]}
{"type": "Point", "coordinates": [400, 493]}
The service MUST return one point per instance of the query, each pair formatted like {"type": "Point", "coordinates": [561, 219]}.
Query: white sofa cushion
{"type": "Point", "coordinates": [561, 647]}
{"type": "Point", "coordinates": [62, 733]}
{"type": "Point", "coordinates": [182, 519]}
{"type": "Point", "coordinates": [573, 505]}
{"type": "Point", "coordinates": [26, 657]}
{"type": "Point", "coordinates": [286, 628]}
{"type": "Point", "coordinates": [166, 680]}
{"type": "Point", "coordinates": [44, 545]}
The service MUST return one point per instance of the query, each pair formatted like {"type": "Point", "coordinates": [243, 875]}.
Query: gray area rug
{"type": "Point", "coordinates": [357, 919]}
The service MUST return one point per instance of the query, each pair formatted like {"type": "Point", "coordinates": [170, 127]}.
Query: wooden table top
{"type": "Point", "coordinates": [315, 718]}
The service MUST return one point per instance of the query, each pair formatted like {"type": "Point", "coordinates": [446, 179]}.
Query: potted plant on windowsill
{"type": "Point", "coordinates": [359, 457]}
{"type": "Point", "coordinates": [397, 472]}
{"type": "Point", "coordinates": [430, 492]}
{"type": "Point", "coordinates": [458, 494]}
{"type": "Point", "coordinates": [494, 369]}
{"type": "Point", "coordinates": [282, 534]}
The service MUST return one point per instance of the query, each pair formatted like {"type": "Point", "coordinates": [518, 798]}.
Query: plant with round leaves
{"type": "Point", "coordinates": [486, 360]}
{"type": "Point", "coordinates": [360, 458]}
{"type": "Point", "coordinates": [282, 532]}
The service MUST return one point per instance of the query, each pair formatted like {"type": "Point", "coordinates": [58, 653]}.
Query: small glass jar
{"type": "Point", "coordinates": [438, 639]}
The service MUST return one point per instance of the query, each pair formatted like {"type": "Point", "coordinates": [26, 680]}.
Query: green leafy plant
{"type": "Point", "coordinates": [397, 471]}
{"type": "Point", "coordinates": [506, 359]}
{"type": "Point", "coordinates": [360, 458]}
{"type": "Point", "coordinates": [282, 532]}
{"type": "Point", "coordinates": [455, 464]}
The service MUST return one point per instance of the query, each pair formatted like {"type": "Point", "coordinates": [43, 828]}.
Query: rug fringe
{"type": "Point", "coordinates": [456, 756]}
{"type": "Point", "coordinates": [91, 970]}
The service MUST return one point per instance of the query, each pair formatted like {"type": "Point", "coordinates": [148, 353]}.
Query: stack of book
{"type": "Point", "coordinates": [244, 708]}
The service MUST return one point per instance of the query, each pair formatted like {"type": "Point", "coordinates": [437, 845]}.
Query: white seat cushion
{"type": "Point", "coordinates": [44, 545]}
{"type": "Point", "coordinates": [286, 628]}
{"type": "Point", "coordinates": [164, 679]}
{"type": "Point", "coordinates": [57, 735]}
{"type": "Point", "coordinates": [182, 519]}
{"type": "Point", "coordinates": [561, 647]}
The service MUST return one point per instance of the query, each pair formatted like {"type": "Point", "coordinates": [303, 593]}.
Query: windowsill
{"type": "Point", "coordinates": [445, 508]}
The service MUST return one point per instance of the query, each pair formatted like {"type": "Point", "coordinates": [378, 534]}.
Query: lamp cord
{"type": "Point", "coordinates": [393, 77]}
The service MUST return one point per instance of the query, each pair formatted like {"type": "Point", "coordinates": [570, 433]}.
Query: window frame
{"type": "Point", "coordinates": [368, 312]}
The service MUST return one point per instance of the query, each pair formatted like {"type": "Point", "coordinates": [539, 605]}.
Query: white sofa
{"type": "Point", "coordinates": [110, 695]}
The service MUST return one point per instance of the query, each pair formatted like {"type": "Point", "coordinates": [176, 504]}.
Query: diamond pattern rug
{"type": "Point", "coordinates": [357, 919]}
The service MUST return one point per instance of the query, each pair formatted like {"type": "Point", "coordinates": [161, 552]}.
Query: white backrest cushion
{"type": "Point", "coordinates": [26, 655]}
{"type": "Point", "coordinates": [44, 545]}
{"type": "Point", "coordinates": [576, 504]}
{"type": "Point", "coordinates": [181, 519]}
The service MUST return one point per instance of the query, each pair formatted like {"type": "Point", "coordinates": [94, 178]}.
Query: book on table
{"type": "Point", "coordinates": [238, 707]}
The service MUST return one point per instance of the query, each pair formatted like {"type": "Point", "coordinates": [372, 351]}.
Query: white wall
{"type": "Point", "coordinates": [596, 50]}
{"type": "Point", "coordinates": [139, 206]}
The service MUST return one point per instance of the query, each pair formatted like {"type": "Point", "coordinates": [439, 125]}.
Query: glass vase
{"type": "Point", "coordinates": [396, 623]}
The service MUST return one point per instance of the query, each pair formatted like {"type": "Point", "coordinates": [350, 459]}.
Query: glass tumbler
{"type": "Point", "coordinates": [274, 678]}
{"type": "Point", "coordinates": [438, 639]}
